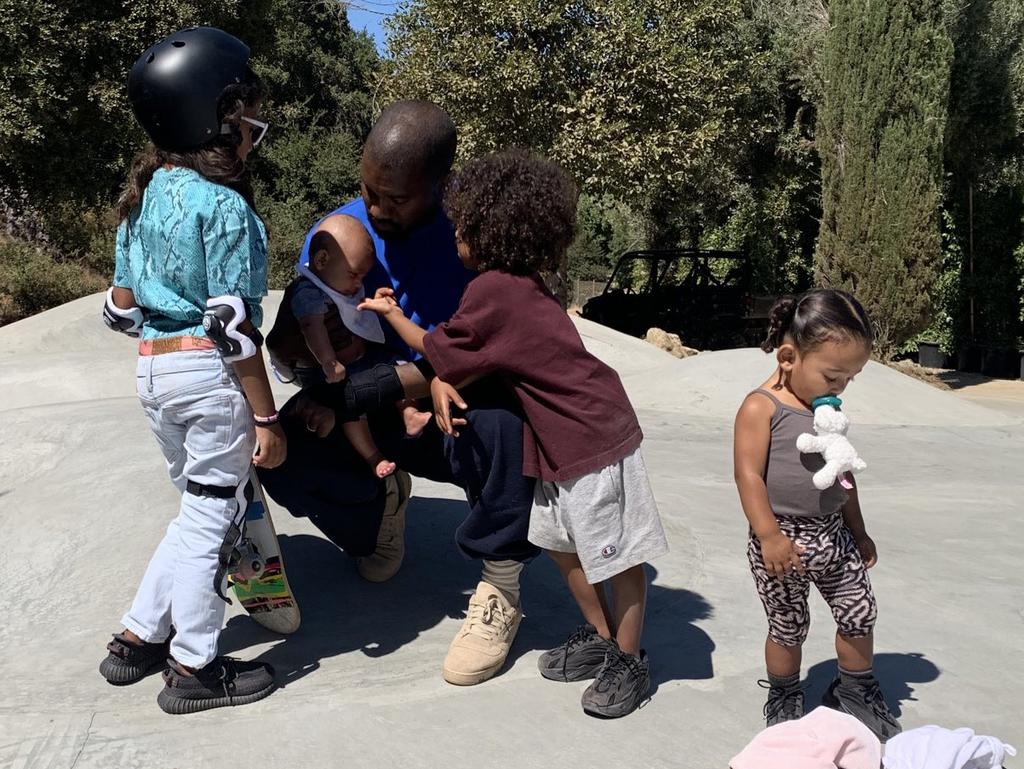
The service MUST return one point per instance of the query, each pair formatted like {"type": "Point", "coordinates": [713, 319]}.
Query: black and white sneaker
{"type": "Point", "coordinates": [861, 697]}
{"type": "Point", "coordinates": [578, 659]}
{"type": "Point", "coordinates": [222, 683]}
{"type": "Point", "coordinates": [785, 701]}
{"type": "Point", "coordinates": [620, 687]}
{"type": "Point", "coordinates": [127, 663]}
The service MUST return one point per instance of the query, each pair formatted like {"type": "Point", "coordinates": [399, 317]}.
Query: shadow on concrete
{"type": "Point", "coordinates": [677, 648]}
{"type": "Point", "coordinates": [956, 380]}
{"type": "Point", "coordinates": [895, 672]}
{"type": "Point", "coordinates": [342, 613]}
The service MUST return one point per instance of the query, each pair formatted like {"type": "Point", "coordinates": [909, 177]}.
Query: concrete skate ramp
{"type": "Point", "coordinates": [83, 502]}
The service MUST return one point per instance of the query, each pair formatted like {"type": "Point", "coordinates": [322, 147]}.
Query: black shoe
{"type": "Point", "coordinates": [861, 697]}
{"type": "Point", "coordinates": [785, 702]}
{"type": "Point", "coordinates": [222, 683]}
{"type": "Point", "coordinates": [127, 663]}
{"type": "Point", "coordinates": [578, 659]}
{"type": "Point", "coordinates": [620, 687]}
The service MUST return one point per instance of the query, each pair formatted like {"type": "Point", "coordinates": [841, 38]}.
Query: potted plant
{"type": "Point", "coordinates": [999, 362]}
{"type": "Point", "coordinates": [930, 355]}
{"type": "Point", "coordinates": [968, 358]}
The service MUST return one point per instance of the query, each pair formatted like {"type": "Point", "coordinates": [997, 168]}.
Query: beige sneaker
{"type": "Point", "coordinates": [386, 560]}
{"type": "Point", "coordinates": [480, 648]}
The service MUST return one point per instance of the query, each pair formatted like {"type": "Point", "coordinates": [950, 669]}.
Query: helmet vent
{"type": "Point", "coordinates": [178, 43]}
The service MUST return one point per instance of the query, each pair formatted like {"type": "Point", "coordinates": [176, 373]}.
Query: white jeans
{"type": "Point", "coordinates": [203, 423]}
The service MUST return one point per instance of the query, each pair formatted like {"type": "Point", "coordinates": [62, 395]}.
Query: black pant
{"type": "Point", "coordinates": [327, 481]}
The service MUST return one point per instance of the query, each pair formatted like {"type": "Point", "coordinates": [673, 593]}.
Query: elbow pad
{"type": "Point", "coordinates": [221, 321]}
{"type": "Point", "coordinates": [123, 321]}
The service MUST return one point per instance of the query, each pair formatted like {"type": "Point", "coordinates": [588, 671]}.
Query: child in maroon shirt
{"type": "Point", "coordinates": [593, 511]}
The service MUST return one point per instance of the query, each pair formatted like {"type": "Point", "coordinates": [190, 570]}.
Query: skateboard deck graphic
{"type": "Point", "coordinates": [265, 594]}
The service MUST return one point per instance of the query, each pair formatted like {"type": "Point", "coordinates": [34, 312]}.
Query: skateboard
{"type": "Point", "coordinates": [256, 573]}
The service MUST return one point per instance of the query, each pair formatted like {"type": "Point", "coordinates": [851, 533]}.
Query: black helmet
{"type": "Point", "coordinates": [175, 86]}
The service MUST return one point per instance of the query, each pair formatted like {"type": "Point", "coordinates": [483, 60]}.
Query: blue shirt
{"type": "Point", "coordinates": [308, 299]}
{"type": "Point", "coordinates": [189, 240]}
{"type": "Point", "coordinates": [423, 268]}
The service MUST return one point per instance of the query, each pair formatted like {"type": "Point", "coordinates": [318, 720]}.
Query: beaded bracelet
{"type": "Point", "coordinates": [266, 421]}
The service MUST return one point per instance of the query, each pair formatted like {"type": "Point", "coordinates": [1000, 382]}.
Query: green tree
{"type": "Point", "coordinates": [777, 189]}
{"type": "Point", "coordinates": [607, 228]}
{"type": "Point", "coordinates": [879, 134]}
{"type": "Point", "coordinates": [645, 102]}
{"type": "Point", "coordinates": [775, 194]}
{"type": "Point", "coordinates": [66, 132]}
{"type": "Point", "coordinates": [67, 136]}
{"type": "Point", "coordinates": [319, 75]}
{"type": "Point", "coordinates": [984, 161]}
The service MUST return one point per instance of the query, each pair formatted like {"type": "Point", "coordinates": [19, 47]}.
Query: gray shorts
{"type": "Point", "coordinates": [608, 518]}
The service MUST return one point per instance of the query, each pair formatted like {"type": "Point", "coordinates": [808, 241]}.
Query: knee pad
{"type": "Point", "coordinates": [373, 389]}
{"type": "Point", "coordinates": [123, 321]}
{"type": "Point", "coordinates": [361, 393]}
{"type": "Point", "coordinates": [221, 321]}
{"type": "Point", "coordinates": [242, 494]}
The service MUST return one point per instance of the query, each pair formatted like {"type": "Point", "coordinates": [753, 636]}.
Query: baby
{"type": "Point", "coordinates": [318, 326]}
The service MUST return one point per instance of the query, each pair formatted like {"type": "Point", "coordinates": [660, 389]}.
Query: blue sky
{"type": "Point", "coordinates": [368, 15]}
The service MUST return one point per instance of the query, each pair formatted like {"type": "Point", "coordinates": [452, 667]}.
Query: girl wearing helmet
{"type": "Point", "coordinates": [191, 269]}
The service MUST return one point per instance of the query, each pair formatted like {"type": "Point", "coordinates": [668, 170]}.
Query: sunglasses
{"type": "Point", "coordinates": [259, 129]}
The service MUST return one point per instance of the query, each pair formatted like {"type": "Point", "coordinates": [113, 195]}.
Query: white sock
{"type": "Point", "coordinates": [504, 575]}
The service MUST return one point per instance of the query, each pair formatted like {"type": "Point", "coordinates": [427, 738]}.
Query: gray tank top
{"type": "Point", "coordinates": [787, 473]}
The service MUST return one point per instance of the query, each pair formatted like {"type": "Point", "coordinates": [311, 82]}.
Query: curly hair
{"type": "Point", "coordinates": [514, 210]}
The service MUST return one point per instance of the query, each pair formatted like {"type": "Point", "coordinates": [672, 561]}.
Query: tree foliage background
{"type": "Point", "coordinates": [67, 136]}
{"type": "Point", "coordinates": [878, 146]}
{"type": "Point", "coordinates": [880, 133]}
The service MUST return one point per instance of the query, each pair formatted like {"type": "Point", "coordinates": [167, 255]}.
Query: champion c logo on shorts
{"type": "Point", "coordinates": [608, 551]}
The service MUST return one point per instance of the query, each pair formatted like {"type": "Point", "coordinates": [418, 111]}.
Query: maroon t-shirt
{"type": "Point", "coordinates": [578, 418]}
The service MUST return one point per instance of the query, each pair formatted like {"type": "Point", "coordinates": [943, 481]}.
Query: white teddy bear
{"type": "Point", "coordinates": [831, 425]}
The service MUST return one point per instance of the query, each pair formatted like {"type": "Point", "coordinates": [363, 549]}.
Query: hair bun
{"type": "Point", "coordinates": [779, 320]}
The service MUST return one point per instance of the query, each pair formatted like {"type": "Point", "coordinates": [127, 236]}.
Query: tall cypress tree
{"type": "Point", "coordinates": [880, 130]}
{"type": "Point", "coordinates": [984, 221]}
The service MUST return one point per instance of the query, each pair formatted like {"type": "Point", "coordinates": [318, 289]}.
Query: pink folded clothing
{"type": "Point", "coordinates": [823, 739]}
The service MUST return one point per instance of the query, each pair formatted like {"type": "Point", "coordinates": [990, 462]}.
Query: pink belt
{"type": "Point", "coordinates": [168, 344]}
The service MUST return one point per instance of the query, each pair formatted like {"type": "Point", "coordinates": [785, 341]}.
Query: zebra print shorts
{"type": "Point", "coordinates": [833, 563]}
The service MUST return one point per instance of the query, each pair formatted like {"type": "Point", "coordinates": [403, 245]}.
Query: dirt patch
{"type": "Point", "coordinates": [932, 376]}
{"type": "Point", "coordinates": [1006, 395]}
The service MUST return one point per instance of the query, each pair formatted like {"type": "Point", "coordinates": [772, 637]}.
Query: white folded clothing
{"type": "Point", "coordinates": [932, 747]}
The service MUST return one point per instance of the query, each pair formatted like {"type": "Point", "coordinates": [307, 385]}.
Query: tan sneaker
{"type": "Point", "coordinates": [386, 560]}
{"type": "Point", "coordinates": [480, 648]}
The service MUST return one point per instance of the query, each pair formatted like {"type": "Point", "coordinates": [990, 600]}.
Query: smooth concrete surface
{"type": "Point", "coordinates": [84, 500]}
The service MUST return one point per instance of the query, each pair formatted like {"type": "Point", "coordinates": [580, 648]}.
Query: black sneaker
{"type": "Point", "coordinates": [785, 703]}
{"type": "Point", "coordinates": [127, 663]}
{"type": "Point", "coordinates": [861, 697]}
{"type": "Point", "coordinates": [578, 659]}
{"type": "Point", "coordinates": [222, 683]}
{"type": "Point", "coordinates": [621, 685]}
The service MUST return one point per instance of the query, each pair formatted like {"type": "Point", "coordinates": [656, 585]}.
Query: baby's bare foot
{"type": "Point", "coordinates": [384, 468]}
{"type": "Point", "coordinates": [415, 421]}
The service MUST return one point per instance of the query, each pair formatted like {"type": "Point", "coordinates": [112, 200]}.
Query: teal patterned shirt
{"type": "Point", "coordinates": [188, 240]}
